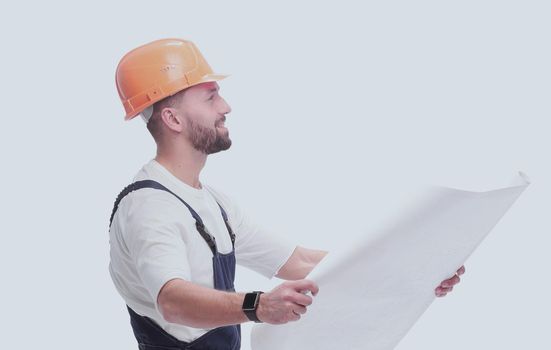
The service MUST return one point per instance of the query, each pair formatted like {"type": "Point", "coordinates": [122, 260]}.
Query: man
{"type": "Point", "coordinates": [174, 240]}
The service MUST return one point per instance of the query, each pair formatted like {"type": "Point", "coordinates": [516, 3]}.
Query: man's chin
{"type": "Point", "coordinates": [221, 144]}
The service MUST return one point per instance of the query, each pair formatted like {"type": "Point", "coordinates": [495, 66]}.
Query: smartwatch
{"type": "Point", "coordinates": [250, 304]}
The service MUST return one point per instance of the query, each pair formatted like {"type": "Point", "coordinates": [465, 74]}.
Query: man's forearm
{"type": "Point", "coordinates": [301, 262]}
{"type": "Point", "coordinates": [196, 306]}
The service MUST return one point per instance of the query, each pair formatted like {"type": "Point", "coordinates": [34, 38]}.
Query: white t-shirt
{"type": "Point", "coordinates": [153, 239]}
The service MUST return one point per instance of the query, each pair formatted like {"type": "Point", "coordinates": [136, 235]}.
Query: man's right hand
{"type": "Point", "coordinates": [286, 302]}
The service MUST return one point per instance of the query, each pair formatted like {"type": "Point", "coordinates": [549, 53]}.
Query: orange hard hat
{"type": "Point", "coordinates": [157, 70]}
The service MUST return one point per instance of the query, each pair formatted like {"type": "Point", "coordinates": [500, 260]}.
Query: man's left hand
{"type": "Point", "coordinates": [447, 285]}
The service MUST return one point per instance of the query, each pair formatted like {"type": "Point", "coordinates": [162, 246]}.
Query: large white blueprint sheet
{"type": "Point", "coordinates": [372, 294]}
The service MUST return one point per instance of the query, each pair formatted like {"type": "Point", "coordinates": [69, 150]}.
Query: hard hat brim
{"type": "Point", "coordinates": [212, 77]}
{"type": "Point", "coordinates": [205, 79]}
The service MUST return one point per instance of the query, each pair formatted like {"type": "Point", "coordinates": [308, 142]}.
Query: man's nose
{"type": "Point", "coordinates": [226, 107]}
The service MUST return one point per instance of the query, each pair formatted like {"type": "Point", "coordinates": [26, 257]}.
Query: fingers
{"type": "Point", "coordinates": [455, 279]}
{"type": "Point", "coordinates": [447, 285]}
{"type": "Point", "coordinates": [294, 316]}
{"type": "Point", "coordinates": [292, 292]}
{"type": "Point", "coordinates": [291, 300]}
{"type": "Point", "coordinates": [450, 282]}
{"type": "Point", "coordinates": [302, 285]}
{"type": "Point", "coordinates": [287, 302]}
{"type": "Point", "coordinates": [301, 299]}
{"type": "Point", "coordinates": [442, 290]}
{"type": "Point", "coordinates": [297, 311]}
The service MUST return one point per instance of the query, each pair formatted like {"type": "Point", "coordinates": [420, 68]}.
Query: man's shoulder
{"type": "Point", "coordinates": [149, 192]}
{"type": "Point", "coordinates": [147, 171]}
{"type": "Point", "coordinates": [148, 203]}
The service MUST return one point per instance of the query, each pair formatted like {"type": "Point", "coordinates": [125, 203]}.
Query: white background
{"type": "Point", "coordinates": [333, 104]}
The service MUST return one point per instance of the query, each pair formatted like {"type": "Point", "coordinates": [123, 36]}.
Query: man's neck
{"type": "Point", "coordinates": [185, 164]}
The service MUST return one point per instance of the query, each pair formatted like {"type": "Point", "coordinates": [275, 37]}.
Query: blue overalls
{"type": "Point", "coordinates": [149, 334]}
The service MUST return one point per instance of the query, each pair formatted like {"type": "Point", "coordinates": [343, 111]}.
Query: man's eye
{"type": "Point", "coordinates": [211, 98]}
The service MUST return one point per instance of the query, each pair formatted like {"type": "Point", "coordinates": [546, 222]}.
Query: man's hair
{"type": "Point", "coordinates": [155, 123]}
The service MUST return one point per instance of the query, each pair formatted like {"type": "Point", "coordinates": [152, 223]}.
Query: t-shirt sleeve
{"type": "Point", "coordinates": [155, 243]}
{"type": "Point", "coordinates": [260, 249]}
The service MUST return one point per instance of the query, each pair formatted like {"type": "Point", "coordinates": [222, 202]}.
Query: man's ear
{"type": "Point", "coordinates": [172, 119]}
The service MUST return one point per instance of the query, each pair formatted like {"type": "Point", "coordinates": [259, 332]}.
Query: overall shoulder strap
{"type": "Point", "coordinates": [224, 216]}
{"type": "Point", "coordinates": [149, 184]}
{"type": "Point", "coordinates": [198, 221]}
{"type": "Point", "coordinates": [227, 223]}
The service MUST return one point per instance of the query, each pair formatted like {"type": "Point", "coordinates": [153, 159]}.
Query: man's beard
{"type": "Point", "coordinates": [207, 140]}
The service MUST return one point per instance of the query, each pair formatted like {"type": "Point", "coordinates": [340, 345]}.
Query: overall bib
{"type": "Point", "coordinates": [149, 334]}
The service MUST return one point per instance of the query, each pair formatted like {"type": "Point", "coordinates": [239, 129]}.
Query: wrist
{"type": "Point", "coordinates": [250, 305]}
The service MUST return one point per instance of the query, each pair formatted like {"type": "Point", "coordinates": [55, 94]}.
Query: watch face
{"type": "Point", "coordinates": [250, 301]}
